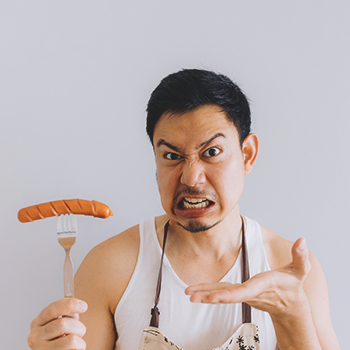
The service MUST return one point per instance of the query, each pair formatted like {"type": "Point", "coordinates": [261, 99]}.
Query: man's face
{"type": "Point", "coordinates": [200, 167]}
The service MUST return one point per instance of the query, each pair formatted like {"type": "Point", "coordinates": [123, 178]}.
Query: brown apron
{"type": "Point", "coordinates": [245, 337]}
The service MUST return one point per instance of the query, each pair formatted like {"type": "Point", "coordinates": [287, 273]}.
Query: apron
{"type": "Point", "coordinates": [246, 336]}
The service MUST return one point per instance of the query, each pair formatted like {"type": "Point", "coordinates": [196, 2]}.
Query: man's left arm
{"type": "Point", "coordinates": [315, 287]}
{"type": "Point", "coordinates": [295, 296]}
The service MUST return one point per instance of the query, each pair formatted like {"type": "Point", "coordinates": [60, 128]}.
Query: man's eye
{"type": "Point", "coordinates": [211, 152]}
{"type": "Point", "coordinates": [172, 156]}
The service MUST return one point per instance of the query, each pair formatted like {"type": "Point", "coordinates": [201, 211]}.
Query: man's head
{"type": "Point", "coordinates": [199, 125]}
{"type": "Point", "coordinates": [189, 89]}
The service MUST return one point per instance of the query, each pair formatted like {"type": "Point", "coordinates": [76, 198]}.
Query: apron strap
{"type": "Point", "coordinates": [155, 311]}
{"type": "Point", "coordinates": [246, 309]}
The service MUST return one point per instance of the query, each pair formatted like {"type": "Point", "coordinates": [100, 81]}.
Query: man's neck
{"type": "Point", "coordinates": [203, 256]}
{"type": "Point", "coordinates": [214, 243]}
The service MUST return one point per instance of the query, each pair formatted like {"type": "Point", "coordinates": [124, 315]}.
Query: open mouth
{"type": "Point", "coordinates": [194, 203]}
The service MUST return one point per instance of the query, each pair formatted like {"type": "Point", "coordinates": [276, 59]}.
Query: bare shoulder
{"type": "Point", "coordinates": [277, 248]}
{"type": "Point", "coordinates": [108, 267]}
{"type": "Point", "coordinates": [279, 251]}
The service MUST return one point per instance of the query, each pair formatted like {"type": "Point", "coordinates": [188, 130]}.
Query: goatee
{"type": "Point", "coordinates": [195, 226]}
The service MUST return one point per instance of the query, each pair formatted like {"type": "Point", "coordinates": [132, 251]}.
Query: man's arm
{"type": "Point", "coordinates": [315, 287]}
{"type": "Point", "coordinates": [100, 281]}
{"type": "Point", "coordinates": [299, 324]}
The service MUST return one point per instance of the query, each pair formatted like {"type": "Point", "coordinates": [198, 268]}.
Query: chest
{"type": "Point", "coordinates": [200, 270]}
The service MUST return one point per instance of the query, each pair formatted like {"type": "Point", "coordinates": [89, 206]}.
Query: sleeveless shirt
{"type": "Point", "coordinates": [192, 326]}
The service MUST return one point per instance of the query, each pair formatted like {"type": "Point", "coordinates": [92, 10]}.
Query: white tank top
{"type": "Point", "coordinates": [193, 326]}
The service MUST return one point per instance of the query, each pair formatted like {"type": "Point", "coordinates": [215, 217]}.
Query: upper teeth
{"type": "Point", "coordinates": [194, 200]}
{"type": "Point", "coordinates": [192, 203]}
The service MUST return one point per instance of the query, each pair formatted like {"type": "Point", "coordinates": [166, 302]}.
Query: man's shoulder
{"type": "Point", "coordinates": [277, 248]}
{"type": "Point", "coordinates": [119, 250]}
{"type": "Point", "coordinates": [108, 267]}
{"type": "Point", "coordinates": [122, 249]}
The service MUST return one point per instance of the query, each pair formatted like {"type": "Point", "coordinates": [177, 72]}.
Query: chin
{"type": "Point", "coordinates": [195, 226]}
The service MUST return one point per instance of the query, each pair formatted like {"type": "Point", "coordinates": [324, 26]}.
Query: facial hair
{"type": "Point", "coordinates": [194, 226]}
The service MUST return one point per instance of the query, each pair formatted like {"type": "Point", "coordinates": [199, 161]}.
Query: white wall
{"type": "Point", "coordinates": [75, 77]}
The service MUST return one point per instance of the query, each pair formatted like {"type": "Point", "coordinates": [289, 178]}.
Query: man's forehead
{"type": "Point", "coordinates": [206, 108]}
{"type": "Point", "coordinates": [194, 129]}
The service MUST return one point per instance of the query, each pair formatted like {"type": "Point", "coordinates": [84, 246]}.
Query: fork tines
{"type": "Point", "coordinates": [67, 225]}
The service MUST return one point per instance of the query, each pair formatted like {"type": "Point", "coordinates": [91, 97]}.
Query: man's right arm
{"type": "Point", "coordinates": [100, 281]}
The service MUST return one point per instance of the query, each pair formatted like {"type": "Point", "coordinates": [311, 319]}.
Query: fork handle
{"type": "Point", "coordinates": [68, 276]}
{"type": "Point", "coordinates": [68, 279]}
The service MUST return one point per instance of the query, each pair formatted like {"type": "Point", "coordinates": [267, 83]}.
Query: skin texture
{"type": "Point", "coordinates": [198, 157]}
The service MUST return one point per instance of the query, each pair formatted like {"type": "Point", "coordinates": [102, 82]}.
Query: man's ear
{"type": "Point", "coordinates": [250, 149]}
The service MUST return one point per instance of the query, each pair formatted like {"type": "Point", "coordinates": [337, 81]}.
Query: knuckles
{"type": "Point", "coordinates": [69, 341]}
{"type": "Point", "coordinates": [31, 340]}
{"type": "Point", "coordinates": [34, 322]}
{"type": "Point", "coordinates": [71, 303]}
{"type": "Point", "coordinates": [58, 326]}
{"type": "Point", "coordinates": [60, 307]}
{"type": "Point", "coordinates": [47, 328]}
{"type": "Point", "coordinates": [72, 341]}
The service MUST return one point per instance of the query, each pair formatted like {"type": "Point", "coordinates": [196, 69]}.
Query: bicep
{"type": "Point", "coordinates": [100, 331]}
{"type": "Point", "coordinates": [90, 286]}
{"type": "Point", "coordinates": [315, 287]}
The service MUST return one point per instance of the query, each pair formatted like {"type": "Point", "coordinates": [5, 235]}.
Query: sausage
{"type": "Point", "coordinates": [66, 206]}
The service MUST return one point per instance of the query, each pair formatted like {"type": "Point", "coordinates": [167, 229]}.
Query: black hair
{"type": "Point", "coordinates": [189, 89]}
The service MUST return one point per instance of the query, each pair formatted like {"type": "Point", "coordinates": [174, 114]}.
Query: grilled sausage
{"type": "Point", "coordinates": [66, 206]}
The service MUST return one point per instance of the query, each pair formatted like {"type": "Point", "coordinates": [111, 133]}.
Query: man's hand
{"type": "Point", "coordinates": [279, 292]}
{"type": "Point", "coordinates": [51, 331]}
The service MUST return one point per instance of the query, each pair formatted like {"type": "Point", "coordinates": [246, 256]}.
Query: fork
{"type": "Point", "coordinates": [67, 235]}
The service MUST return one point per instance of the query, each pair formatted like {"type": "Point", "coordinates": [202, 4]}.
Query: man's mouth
{"type": "Point", "coordinates": [195, 203]}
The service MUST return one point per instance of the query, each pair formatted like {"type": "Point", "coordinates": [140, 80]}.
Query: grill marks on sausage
{"type": "Point", "coordinates": [40, 213]}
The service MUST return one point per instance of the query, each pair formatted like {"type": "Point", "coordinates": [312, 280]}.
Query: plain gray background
{"type": "Point", "coordinates": [75, 77]}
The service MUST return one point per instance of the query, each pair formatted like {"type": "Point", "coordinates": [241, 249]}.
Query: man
{"type": "Point", "coordinates": [199, 126]}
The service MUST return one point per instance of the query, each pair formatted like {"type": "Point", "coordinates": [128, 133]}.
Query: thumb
{"type": "Point", "coordinates": [300, 255]}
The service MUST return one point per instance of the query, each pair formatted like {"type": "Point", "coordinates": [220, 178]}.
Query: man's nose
{"type": "Point", "coordinates": [192, 174]}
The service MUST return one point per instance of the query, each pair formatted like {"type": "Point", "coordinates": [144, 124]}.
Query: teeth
{"type": "Point", "coordinates": [195, 203]}
{"type": "Point", "coordinates": [194, 200]}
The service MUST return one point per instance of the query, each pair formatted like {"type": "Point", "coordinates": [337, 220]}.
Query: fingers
{"type": "Point", "coordinates": [207, 287]}
{"type": "Point", "coordinates": [224, 295]}
{"type": "Point", "coordinates": [206, 292]}
{"type": "Point", "coordinates": [227, 292]}
{"type": "Point", "coordinates": [60, 307]}
{"type": "Point", "coordinates": [301, 263]}
{"type": "Point", "coordinates": [50, 330]}
{"type": "Point", "coordinates": [213, 297]}
{"type": "Point", "coordinates": [69, 342]}
{"type": "Point", "coordinates": [62, 333]}
{"type": "Point", "coordinates": [63, 325]}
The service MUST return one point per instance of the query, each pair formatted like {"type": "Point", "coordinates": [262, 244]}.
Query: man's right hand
{"type": "Point", "coordinates": [51, 331]}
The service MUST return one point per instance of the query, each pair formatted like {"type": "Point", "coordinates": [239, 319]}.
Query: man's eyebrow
{"type": "Point", "coordinates": [219, 134]}
{"type": "Point", "coordinates": [177, 149]}
{"type": "Point", "coordinates": [163, 142]}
